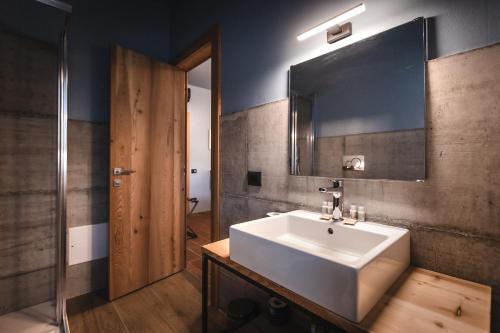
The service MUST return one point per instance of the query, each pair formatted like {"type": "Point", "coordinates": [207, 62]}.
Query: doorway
{"type": "Point", "coordinates": [198, 165]}
{"type": "Point", "coordinates": [204, 55]}
{"type": "Point", "coordinates": [207, 47]}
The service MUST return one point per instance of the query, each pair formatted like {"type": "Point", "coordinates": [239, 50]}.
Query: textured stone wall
{"type": "Point", "coordinates": [28, 166]}
{"type": "Point", "coordinates": [88, 145]}
{"type": "Point", "coordinates": [454, 216]}
{"type": "Point", "coordinates": [398, 155]}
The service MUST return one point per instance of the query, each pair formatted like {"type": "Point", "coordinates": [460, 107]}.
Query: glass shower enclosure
{"type": "Point", "coordinates": [33, 122]}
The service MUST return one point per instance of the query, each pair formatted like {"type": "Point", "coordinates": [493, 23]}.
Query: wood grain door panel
{"type": "Point", "coordinates": [167, 238]}
{"type": "Point", "coordinates": [147, 135]}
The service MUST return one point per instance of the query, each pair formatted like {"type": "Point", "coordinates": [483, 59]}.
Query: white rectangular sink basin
{"type": "Point", "coordinates": [344, 268]}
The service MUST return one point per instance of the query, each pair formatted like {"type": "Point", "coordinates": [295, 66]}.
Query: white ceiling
{"type": "Point", "coordinates": [200, 75]}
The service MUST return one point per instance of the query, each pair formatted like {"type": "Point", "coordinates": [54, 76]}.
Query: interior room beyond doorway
{"type": "Point", "coordinates": [198, 165]}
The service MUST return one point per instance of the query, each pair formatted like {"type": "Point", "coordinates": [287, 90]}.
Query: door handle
{"type": "Point", "coordinates": [122, 172]}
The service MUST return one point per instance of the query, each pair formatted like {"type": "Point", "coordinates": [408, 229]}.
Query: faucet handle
{"type": "Point", "coordinates": [336, 184]}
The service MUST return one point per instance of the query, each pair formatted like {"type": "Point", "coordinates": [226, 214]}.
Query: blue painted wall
{"type": "Point", "coordinates": [31, 19]}
{"type": "Point", "coordinates": [96, 24]}
{"type": "Point", "coordinates": [259, 37]}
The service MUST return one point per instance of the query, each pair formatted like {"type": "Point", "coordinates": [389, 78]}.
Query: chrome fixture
{"type": "Point", "coordinates": [335, 31]}
{"type": "Point", "coordinates": [353, 162]}
{"type": "Point", "coordinates": [338, 32]}
{"type": "Point", "coordinates": [62, 173]}
{"type": "Point", "coordinates": [337, 191]}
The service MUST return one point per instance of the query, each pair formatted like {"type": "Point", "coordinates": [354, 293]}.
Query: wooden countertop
{"type": "Point", "coordinates": [420, 301]}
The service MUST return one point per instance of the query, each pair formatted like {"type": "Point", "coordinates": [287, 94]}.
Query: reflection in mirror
{"type": "Point", "coordinates": [359, 112]}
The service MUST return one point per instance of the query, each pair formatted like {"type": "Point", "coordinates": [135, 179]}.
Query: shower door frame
{"type": "Point", "coordinates": [62, 164]}
{"type": "Point", "coordinates": [62, 174]}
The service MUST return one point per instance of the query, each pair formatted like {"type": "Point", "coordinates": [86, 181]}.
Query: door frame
{"type": "Point", "coordinates": [208, 46]}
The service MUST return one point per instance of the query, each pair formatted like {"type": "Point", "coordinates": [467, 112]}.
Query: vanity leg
{"type": "Point", "coordinates": [204, 293]}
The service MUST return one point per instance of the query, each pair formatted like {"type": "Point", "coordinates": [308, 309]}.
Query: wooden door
{"type": "Point", "coordinates": [147, 200]}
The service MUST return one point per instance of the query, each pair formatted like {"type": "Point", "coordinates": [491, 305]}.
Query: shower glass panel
{"type": "Point", "coordinates": [30, 134]}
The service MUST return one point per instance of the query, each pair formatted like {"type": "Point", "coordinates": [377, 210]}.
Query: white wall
{"type": "Point", "coordinates": [199, 112]}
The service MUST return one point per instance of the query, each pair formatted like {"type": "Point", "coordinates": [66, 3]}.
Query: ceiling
{"type": "Point", "coordinates": [200, 75]}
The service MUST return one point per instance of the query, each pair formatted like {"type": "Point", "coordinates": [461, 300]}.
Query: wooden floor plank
{"type": "Point", "coordinates": [170, 305]}
{"type": "Point", "coordinates": [184, 298]}
{"type": "Point", "coordinates": [141, 311]}
{"type": "Point", "coordinates": [93, 313]}
{"type": "Point", "coordinates": [200, 224]}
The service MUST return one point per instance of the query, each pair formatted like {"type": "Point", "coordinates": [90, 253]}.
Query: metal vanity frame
{"type": "Point", "coordinates": [205, 299]}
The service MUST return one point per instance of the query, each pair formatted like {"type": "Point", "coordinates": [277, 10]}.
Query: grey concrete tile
{"type": "Point", "coordinates": [86, 277]}
{"type": "Point", "coordinates": [273, 163]}
{"type": "Point", "coordinates": [233, 153]}
{"type": "Point", "coordinates": [87, 206]}
{"type": "Point", "coordinates": [88, 154]}
{"type": "Point", "coordinates": [460, 74]}
{"type": "Point", "coordinates": [328, 157]}
{"type": "Point", "coordinates": [235, 183]}
{"type": "Point", "coordinates": [28, 75]}
{"type": "Point", "coordinates": [29, 288]}
{"type": "Point", "coordinates": [389, 155]}
{"type": "Point", "coordinates": [273, 188]}
{"type": "Point", "coordinates": [297, 191]}
{"type": "Point", "coordinates": [456, 255]}
{"type": "Point", "coordinates": [267, 124]}
{"type": "Point", "coordinates": [268, 139]}
{"type": "Point", "coordinates": [233, 210]}
{"type": "Point", "coordinates": [26, 247]}
{"type": "Point", "coordinates": [28, 151]}
{"type": "Point", "coordinates": [258, 208]}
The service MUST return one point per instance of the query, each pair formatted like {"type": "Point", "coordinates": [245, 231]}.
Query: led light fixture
{"type": "Point", "coordinates": [335, 31]}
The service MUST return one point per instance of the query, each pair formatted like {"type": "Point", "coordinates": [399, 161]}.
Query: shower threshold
{"type": "Point", "coordinates": [34, 319]}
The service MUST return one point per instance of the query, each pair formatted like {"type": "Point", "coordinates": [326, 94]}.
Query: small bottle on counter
{"type": "Point", "coordinates": [330, 207]}
{"type": "Point", "coordinates": [324, 211]}
{"type": "Point", "coordinates": [324, 208]}
{"type": "Point", "coordinates": [352, 212]}
{"type": "Point", "coordinates": [361, 213]}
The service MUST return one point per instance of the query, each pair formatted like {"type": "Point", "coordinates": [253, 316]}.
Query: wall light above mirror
{"type": "Point", "coordinates": [335, 30]}
{"type": "Point", "coordinates": [359, 111]}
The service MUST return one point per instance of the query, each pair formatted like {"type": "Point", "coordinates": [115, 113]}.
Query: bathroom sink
{"type": "Point", "coordinates": [344, 268]}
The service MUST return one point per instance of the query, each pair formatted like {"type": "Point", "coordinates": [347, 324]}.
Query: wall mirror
{"type": "Point", "coordinates": [359, 111]}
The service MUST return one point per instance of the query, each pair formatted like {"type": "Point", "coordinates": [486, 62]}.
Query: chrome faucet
{"type": "Point", "coordinates": [337, 191]}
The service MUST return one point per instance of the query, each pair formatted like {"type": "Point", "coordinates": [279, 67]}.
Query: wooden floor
{"type": "Point", "coordinates": [170, 305]}
{"type": "Point", "coordinates": [200, 223]}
